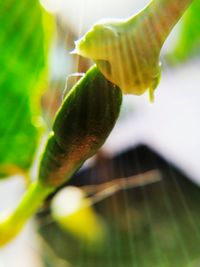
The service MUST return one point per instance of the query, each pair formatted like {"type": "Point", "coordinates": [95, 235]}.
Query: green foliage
{"type": "Point", "coordinates": [22, 59]}
{"type": "Point", "coordinates": [189, 39]}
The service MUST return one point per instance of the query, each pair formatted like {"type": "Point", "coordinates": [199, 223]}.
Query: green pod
{"type": "Point", "coordinates": [82, 124]}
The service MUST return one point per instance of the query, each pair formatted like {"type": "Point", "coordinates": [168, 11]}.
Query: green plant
{"type": "Point", "coordinates": [81, 126]}
{"type": "Point", "coordinates": [89, 112]}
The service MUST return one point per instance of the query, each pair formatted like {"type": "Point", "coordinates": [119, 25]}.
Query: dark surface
{"type": "Point", "coordinates": [154, 225]}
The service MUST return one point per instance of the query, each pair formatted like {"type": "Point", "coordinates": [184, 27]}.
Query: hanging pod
{"type": "Point", "coordinates": [82, 124]}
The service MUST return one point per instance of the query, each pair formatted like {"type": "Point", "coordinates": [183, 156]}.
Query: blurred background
{"type": "Point", "coordinates": [136, 203]}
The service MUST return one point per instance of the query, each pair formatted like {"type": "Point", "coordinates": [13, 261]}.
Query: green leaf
{"type": "Point", "coordinates": [22, 58]}
{"type": "Point", "coordinates": [189, 38]}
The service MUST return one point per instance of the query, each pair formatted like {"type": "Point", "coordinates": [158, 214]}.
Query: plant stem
{"type": "Point", "coordinates": [14, 222]}
{"type": "Point", "coordinates": [162, 16]}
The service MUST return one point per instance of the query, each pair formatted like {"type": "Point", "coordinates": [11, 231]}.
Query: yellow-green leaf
{"type": "Point", "coordinates": [22, 59]}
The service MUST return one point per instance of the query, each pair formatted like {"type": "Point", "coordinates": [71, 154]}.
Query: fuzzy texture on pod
{"type": "Point", "coordinates": [82, 124]}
